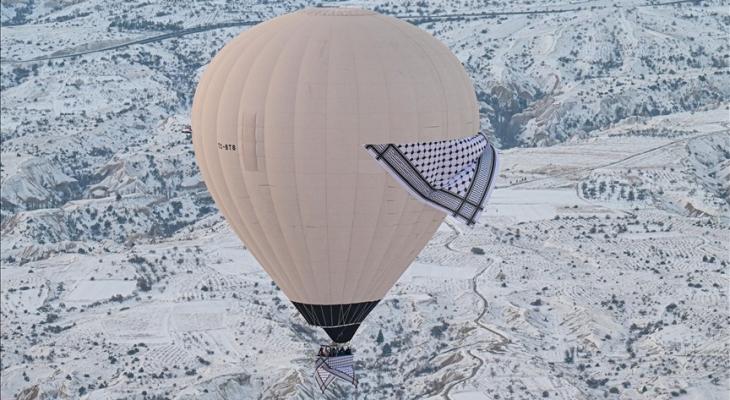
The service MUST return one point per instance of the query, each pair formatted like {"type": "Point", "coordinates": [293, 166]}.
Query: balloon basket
{"type": "Point", "coordinates": [334, 362]}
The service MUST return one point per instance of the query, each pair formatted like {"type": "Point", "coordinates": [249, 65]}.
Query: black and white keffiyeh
{"type": "Point", "coordinates": [327, 369]}
{"type": "Point", "coordinates": [455, 176]}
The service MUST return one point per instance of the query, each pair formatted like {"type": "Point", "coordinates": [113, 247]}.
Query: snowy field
{"type": "Point", "coordinates": [553, 294]}
{"type": "Point", "coordinates": [599, 270]}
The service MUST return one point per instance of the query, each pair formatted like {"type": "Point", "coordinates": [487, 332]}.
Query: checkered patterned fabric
{"type": "Point", "coordinates": [455, 176]}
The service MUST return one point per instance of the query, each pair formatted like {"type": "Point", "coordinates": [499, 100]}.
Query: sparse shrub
{"type": "Point", "coordinates": [387, 350]}
{"type": "Point", "coordinates": [50, 318]}
{"type": "Point", "coordinates": [438, 330]}
{"type": "Point", "coordinates": [143, 284]}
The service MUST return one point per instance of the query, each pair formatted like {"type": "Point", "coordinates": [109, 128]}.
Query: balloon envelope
{"type": "Point", "coordinates": [280, 119]}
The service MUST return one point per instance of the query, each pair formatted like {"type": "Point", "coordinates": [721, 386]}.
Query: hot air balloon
{"type": "Point", "coordinates": [335, 141]}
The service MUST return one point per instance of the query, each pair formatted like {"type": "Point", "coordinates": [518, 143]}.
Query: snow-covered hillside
{"type": "Point", "coordinates": [600, 269]}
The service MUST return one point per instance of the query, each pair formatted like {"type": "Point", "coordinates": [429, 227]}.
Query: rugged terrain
{"type": "Point", "coordinates": [600, 269]}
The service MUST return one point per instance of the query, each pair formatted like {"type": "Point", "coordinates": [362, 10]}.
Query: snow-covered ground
{"type": "Point", "coordinates": [598, 271]}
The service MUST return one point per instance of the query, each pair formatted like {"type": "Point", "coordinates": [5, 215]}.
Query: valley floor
{"type": "Point", "coordinates": [599, 271]}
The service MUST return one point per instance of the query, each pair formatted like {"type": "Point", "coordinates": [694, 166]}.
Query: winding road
{"type": "Point", "coordinates": [474, 286]}
{"type": "Point", "coordinates": [472, 374]}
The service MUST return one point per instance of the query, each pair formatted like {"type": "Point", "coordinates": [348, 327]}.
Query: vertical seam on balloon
{"type": "Point", "coordinates": [262, 254]}
{"type": "Point", "coordinates": [302, 290]}
{"type": "Point", "coordinates": [357, 176]}
{"type": "Point", "coordinates": [326, 183]}
{"type": "Point", "coordinates": [205, 150]}
{"type": "Point", "coordinates": [273, 273]}
{"type": "Point", "coordinates": [374, 272]}
{"type": "Point", "coordinates": [433, 65]}
{"type": "Point", "coordinates": [379, 271]}
{"type": "Point", "coordinates": [304, 293]}
{"type": "Point", "coordinates": [296, 179]}
{"type": "Point", "coordinates": [285, 278]}
{"type": "Point", "coordinates": [261, 257]}
{"type": "Point", "coordinates": [270, 269]}
{"type": "Point", "coordinates": [366, 264]}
